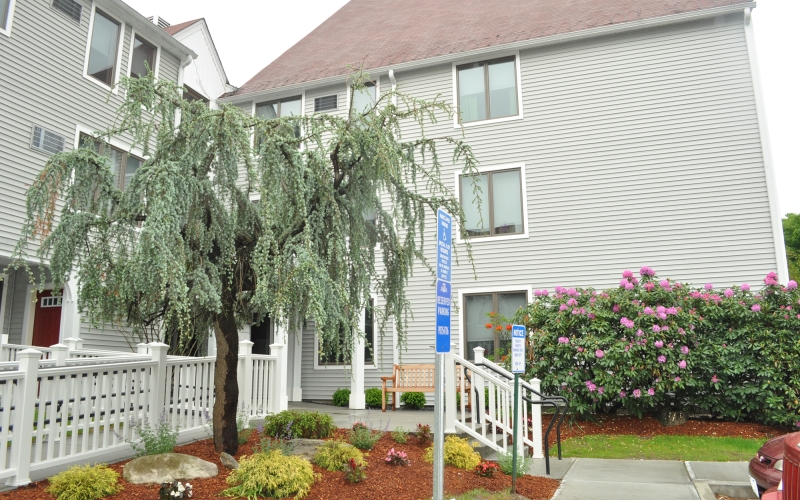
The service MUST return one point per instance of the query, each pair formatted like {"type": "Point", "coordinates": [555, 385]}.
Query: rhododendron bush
{"type": "Point", "coordinates": [652, 344]}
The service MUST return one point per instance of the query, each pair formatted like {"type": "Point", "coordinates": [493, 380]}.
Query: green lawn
{"type": "Point", "coordinates": [711, 449]}
{"type": "Point", "coordinates": [485, 495]}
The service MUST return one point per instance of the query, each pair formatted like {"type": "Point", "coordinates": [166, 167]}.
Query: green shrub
{"type": "Point", "coordinates": [334, 455]}
{"type": "Point", "coordinates": [355, 472]}
{"type": "Point", "coordinates": [299, 424]}
{"type": "Point", "coordinates": [506, 463]}
{"type": "Point", "coordinates": [400, 435]}
{"type": "Point", "coordinates": [154, 440]}
{"type": "Point", "coordinates": [651, 344]}
{"type": "Point", "coordinates": [415, 400]}
{"type": "Point", "coordinates": [373, 397]}
{"type": "Point", "coordinates": [364, 439]}
{"type": "Point", "coordinates": [267, 445]}
{"type": "Point", "coordinates": [458, 452]}
{"type": "Point", "coordinates": [84, 483]}
{"type": "Point", "coordinates": [272, 475]}
{"type": "Point", "coordinates": [341, 397]}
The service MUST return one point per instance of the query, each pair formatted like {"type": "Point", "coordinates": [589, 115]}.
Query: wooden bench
{"type": "Point", "coordinates": [412, 378]}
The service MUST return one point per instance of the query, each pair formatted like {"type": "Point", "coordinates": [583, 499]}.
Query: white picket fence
{"type": "Point", "coordinates": [80, 405]}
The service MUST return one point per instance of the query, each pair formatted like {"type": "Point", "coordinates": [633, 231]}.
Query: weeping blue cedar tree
{"type": "Point", "coordinates": [184, 248]}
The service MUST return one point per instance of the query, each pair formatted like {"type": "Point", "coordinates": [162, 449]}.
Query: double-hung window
{"type": "Point", "coordinates": [5, 14]}
{"type": "Point", "coordinates": [103, 48]}
{"type": "Point", "coordinates": [291, 106]}
{"type": "Point", "coordinates": [333, 356]}
{"type": "Point", "coordinates": [123, 165]}
{"type": "Point", "coordinates": [364, 99]}
{"type": "Point", "coordinates": [476, 310]}
{"type": "Point", "coordinates": [500, 210]}
{"type": "Point", "coordinates": [143, 58]}
{"type": "Point", "coordinates": [487, 90]}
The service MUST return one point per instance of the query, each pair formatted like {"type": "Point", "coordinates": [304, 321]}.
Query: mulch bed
{"type": "Point", "coordinates": [649, 426]}
{"type": "Point", "coordinates": [414, 482]}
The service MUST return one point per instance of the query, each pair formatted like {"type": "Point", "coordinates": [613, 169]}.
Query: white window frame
{"type": "Point", "coordinates": [349, 92]}
{"type": "Point", "coordinates": [277, 97]}
{"type": "Point", "coordinates": [524, 194]}
{"type": "Point", "coordinates": [6, 30]}
{"type": "Point", "coordinates": [462, 292]}
{"type": "Point", "coordinates": [3, 302]}
{"type": "Point", "coordinates": [489, 121]}
{"type": "Point", "coordinates": [120, 44]}
{"type": "Point", "coordinates": [157, 62]}
{"type": "Point", "coordinates": [375, 352]}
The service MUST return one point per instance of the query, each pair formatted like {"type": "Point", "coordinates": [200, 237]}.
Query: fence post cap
{"type": "Point", "coordinates": [58, 347]}
{"type": "Point", "coordinates": [29, 352]}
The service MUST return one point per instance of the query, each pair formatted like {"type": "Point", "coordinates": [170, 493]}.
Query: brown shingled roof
{"type": "Point", "coordinates": [385, 32]}
{"type": "Point", "coordinates": [171, 30]}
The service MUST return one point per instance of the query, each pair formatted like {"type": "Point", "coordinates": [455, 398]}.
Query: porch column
{"type": "Point", "coordinates": [357, 398]}
{"type": "Point", "coordinates": [70, 326]}
{"type": "Point", "coordinates": [297, 361]}
{"type": "Point", "coordinates": [278, 347]}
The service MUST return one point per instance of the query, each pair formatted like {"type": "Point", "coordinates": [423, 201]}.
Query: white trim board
{"type": "Point", "coordinates": [3, 301]}
{"type": "Point", "coordinates": [524, 194]}
{"type": "Point", "coordinates": [766, 151]}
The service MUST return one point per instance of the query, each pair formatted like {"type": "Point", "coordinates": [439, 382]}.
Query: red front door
{"type": "Point", "coordinates": [47, 319]}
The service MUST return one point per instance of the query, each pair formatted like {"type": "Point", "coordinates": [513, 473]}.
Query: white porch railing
{"type": "Point", "coordinates": [489, 419]}
{"type": "Point", "coordinates": [66, 410]}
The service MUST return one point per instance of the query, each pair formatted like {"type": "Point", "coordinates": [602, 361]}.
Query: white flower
{"type": "Point", "coordinates": [181, 488]}
{"type": "Point", "coordinates": [174, 493]}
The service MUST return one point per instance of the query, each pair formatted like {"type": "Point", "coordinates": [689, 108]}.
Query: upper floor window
{"type": "Point", "coordinates": [487, 89]}
{"type": "Point", "coordinates": [103, 48]}
{"type": "Point", "coordinates": [143, 59]}
{"type": "Point", "coordinates": [291, 106]}
{"type": "Point", "coordinates": [123, 165]}
{"type": "Point", "coordinates": [5, 8]}
{"type": "Point", "coordinates": [191, 95]}
{"type": "Point", "coordinates": [500, 203]}
{"type": "Point", "coordinates": [364, 98]}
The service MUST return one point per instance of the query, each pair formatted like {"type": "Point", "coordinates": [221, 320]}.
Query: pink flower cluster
{"type": "Point", "coordinates": [590, 385]}
{"type": "Point", "coordinates": [626, 322]}
{"type": "Point", "coordinates": [646, 271]}
{"type": "Point", "coordinates": [563, 340]}
{"type": "Point", "coordinates": [771, 279]}
{"type": "Point", "coordinates": [541, 293]}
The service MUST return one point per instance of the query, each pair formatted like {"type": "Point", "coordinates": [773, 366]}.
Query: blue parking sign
{"type": "Point", "coordinates": [444, 237]}
{"type": "Point", "coordinates": [442, 317]}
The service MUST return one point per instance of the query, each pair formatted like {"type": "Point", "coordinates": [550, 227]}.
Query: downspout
{"type": "Point", "coordinates": [181, 71]}
{"type": "Point", "coordinates": [394, 86]}
{"type": "Point", "coordinates": [766, 151]}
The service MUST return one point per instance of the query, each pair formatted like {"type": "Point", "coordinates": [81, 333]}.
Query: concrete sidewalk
{"type": "Point", "coordinates": [599, 479]}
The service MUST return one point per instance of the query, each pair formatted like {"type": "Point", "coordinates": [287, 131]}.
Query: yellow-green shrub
{"type": "Point", "coordinates": [334, 455]}
{"type": "Point", "coordinates": [84, 483]}
{"type": "Point", "coordinates": [271, 475]}
{"type": "Point", "coordinates": [458, 452]}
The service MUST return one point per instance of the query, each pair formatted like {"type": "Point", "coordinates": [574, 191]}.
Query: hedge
{"type": "Point", "coordinates": [653, 344]}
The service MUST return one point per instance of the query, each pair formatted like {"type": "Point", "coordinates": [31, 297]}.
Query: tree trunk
{"type": "Point", "coordinates": [226, 386]}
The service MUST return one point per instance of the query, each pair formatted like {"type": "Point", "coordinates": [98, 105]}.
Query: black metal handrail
{"type": "Point", "coordinates": [546, 400]}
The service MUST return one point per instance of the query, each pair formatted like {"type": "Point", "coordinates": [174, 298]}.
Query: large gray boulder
{"type": "Point", "coordinates": [166, 467]}
{"type": "Point", "coordinates": [305, 448]}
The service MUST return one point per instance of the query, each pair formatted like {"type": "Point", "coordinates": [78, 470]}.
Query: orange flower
{"type": "Point", "coordinates": [499, 328]}
{"type": "Point", "coordinates": [508, 327]}
{"type": "Point", "coordinates": [489, 325]}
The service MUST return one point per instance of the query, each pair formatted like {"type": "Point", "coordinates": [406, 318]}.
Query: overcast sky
{"type": "Point", "coordinates": [249, 35]}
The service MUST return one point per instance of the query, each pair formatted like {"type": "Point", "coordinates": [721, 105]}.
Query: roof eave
{"type": "Point", "coordinates": [148, 30]}
{"type": "Point", "coordinates": [521, 45]}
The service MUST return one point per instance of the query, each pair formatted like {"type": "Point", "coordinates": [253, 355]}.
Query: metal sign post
{"type": "Point", "coordinates": [443, 255]}
{"type": "Point", "coordinates": [517, 367]}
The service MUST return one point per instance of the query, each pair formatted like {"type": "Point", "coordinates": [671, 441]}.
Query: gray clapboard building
{"type": "Point", "coordinates": [61, 60]}
{"type": "Point", "coordinates": [610, 135]}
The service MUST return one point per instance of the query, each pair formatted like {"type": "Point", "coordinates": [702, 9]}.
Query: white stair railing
{"type": "Point", "coordinates": [486, 405]}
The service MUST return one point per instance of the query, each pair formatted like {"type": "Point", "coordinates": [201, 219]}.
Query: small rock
{"type": "Point", "coordinates": [167, 467]}
{"type": "Point", "coordinates": [228, 461]}
{"type": "Point", "coordinates": [305, 448]}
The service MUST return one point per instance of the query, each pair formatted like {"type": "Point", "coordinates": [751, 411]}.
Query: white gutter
{"type": "Point", "coordinates": [521, 45]}
{"type": "Point", "coordinates": [766, 151]}
{"type": "Point", "coordinates": [181, 72]}
{"type": "Point", "coordinates": [394, 86]}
